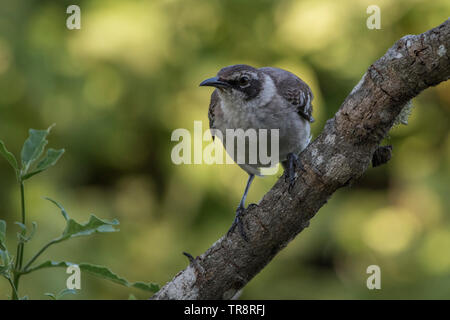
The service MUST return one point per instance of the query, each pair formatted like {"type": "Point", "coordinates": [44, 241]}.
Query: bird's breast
{"type": "Point", "coordinates": [293, 132]}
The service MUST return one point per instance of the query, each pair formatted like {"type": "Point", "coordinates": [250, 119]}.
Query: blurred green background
{"type": "Point", "coordinates": [117, 89]}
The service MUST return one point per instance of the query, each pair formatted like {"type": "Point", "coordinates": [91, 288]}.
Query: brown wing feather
{"type": "Point", "coordinates": [294, 90]}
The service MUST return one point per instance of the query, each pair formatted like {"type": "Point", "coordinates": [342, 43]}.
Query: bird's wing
{"type": "Point", "coordinates": [294, 90]}
{"type": "Point", "coordinates": [213, 109]}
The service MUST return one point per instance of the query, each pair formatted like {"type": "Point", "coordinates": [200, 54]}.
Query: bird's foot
{"type": "Point", "coordinates": [238, 223]}
{"type": "Point", "coordinates": [293, 162]}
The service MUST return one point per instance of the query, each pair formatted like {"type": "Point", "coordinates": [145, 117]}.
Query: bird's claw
{"type": "Point", "coordinates": [238, 223]}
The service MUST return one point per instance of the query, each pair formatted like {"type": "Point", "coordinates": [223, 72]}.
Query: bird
{"type": "Point", "coordinates": [245, 98]}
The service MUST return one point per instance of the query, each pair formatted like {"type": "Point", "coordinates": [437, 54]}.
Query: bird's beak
{"type": "Point", "coordinates": [214, 82]}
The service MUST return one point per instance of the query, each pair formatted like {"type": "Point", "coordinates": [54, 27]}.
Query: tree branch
{"type": "Point", "coordinates": [338, 157]}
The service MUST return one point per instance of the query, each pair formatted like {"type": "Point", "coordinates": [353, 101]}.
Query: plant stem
{"type": "Point", "coordinates": [22, 198]}
{"type": "Point", "coordinates": [14, 295]}
{"type": "Point", "coordinates": [25, 269]}
{"type": "Point", "coordinates": [20, 247]}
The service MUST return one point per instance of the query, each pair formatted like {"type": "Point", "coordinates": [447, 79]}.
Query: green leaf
{"type": "Point", "coordinates": [49, 160]}
{"type": "Point", "coordinates": [105, 273]}
{"type": "Point", "coordinates": [61, 294]}
{"type": "Point", "coordinates": [63, 211]}
{"type": "Point", "coordinates": [4, 270]}
{"type": "Point", "coordinates": [9, 157]}
{"type": "Point", "coordinates": [74, 229]}
{"type": "Point", "coordinates": [50, 264]}
{"type": "Point", "coordinates": [6, 259]}
{"type": "Point", "coordinates": [51, 295]}
{"type": "Point", "coordinates": [6, 262]}
{"type": "Point", "coordinates": [132, 297]}
{"type": "Point", "coordinates": [101, 272]}
{"type": "Point", "coordinates": [65, 292]}
{"type": "Point", "coordinates": [23, 232]}
{"type": "Point", "coordinates": [153, 287]}
{"type": "Point", "coordinates": [33, 147]}
{"type": "Point", "coordinates": [22, 236]}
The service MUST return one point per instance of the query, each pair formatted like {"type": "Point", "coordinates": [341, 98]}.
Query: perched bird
{"type": "Point", "coordinates": [265, 98]}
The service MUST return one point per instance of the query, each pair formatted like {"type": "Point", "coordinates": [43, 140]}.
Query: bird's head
{"type": "Point", "coordinates": [239, 83]}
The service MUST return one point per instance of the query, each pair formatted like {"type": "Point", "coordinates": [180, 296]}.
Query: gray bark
{"type": "Point", "coordinates": [335, 159]}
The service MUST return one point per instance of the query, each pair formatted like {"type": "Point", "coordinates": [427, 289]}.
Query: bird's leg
{"type": "Point", "coordinates": [240, 210]}
{"type": "Point", "coordinates": [292, 162]}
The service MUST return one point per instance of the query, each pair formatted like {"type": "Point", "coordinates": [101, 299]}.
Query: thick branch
{"type": "Point", "coordinates": [339, 156]}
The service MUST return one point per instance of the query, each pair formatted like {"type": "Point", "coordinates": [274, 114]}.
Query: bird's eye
{"type": "Point", "coordinates": [243, 81]}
